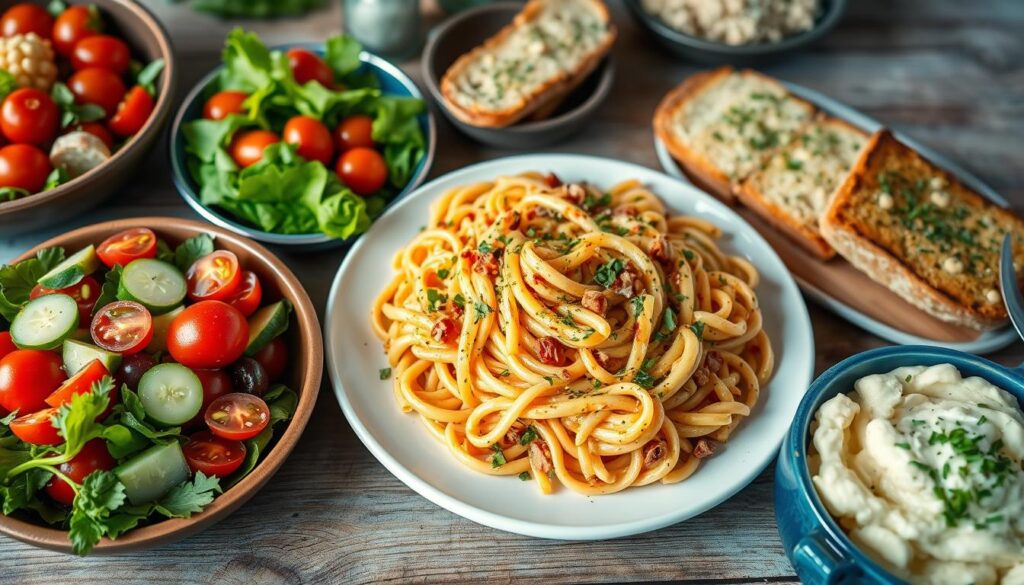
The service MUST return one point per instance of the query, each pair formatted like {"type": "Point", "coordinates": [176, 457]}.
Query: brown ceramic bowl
{"type": "Point", "coordinates": [149, 41]}
{"type": "Point", "coordinates": [306, 356]}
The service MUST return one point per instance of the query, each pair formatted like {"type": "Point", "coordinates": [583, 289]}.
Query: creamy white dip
{"type": "Point", "coordinates": [922, 468]}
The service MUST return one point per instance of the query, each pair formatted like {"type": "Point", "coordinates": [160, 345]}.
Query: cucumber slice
{"type": "Point", "coordinates": [171, 394]}
{"type": "Point", "coordinates": [157, 285]}
{"type": "Point", "coordinates": [162, 324]}
{"type": "Point", "coordinates": [152, 473]}
{"type": "Point", "coordinates": [78, 354]}
{"type": "Point", "coordinates": [266, 324]}
{"type": "Point", "coordinates": [73, 269]}
{"type": "Point", "coordinates": [45, 322]}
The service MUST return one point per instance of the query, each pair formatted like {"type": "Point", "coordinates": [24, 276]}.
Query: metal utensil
{"type": "Point", "coordinates": [1008, 283]}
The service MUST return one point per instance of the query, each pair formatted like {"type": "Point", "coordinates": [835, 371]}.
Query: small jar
{"type": "Point", "coordinates": [389, 28]}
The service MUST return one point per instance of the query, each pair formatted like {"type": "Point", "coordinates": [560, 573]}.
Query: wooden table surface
{"type": "Point", "coordinates": [947, 72]}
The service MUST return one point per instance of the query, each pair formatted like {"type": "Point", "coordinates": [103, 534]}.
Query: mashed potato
{"type": "Point", "coordinates": [737, 22]}
{"type": "Point", "coordinates": [922, 468]}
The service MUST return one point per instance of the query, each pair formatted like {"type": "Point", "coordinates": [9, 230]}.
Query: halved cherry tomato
{"type": "Point", "coordinates": [99, 131]}
{"type": "Point", "coordinates": [274, 358]}
{"type": "Point", "coordinates": [123, 327]}
{"type": "Point", "coordinates": [27, 377]}
{"type": "Point", "coordinates": [25, 18]}
{"type": "Point", "coordinates": [312, 138]}
{"type": "Point", "coordinates": [96, 85]}
{"type": "Point", "coordinates": [208, 334]}
{"type": "Point", "coordinates": [123, 247]}
{"type": "Point", "coordinates": [132, 113]}
{"type": "Point", "coordinates": [363, 170]}
{"type": "Point", "coordinates": [29, 116]}
{"type": "Point", "coordinates": [106, 51]}
{"type": "Point", "coordinates": [224, 103]}
{"type": "Point", "coordinates": [73, 25]}
{"type": "Point", "coordinates": [237, 416]}
{"type": "Point", "coordinates": [86, 292]}
{"type": "Point", "coordinates": [6, 344]}
{"type": "Point", "coordinates": [306, 66]}
{"type": "Point", "coordinates": [93, 456]}
{"type": "Point", "coordinates": [213, 455]}
{"type": "Point", "coordinates": [36, 428]}
{"type": "Point", "coordinates": [80, 383]}
{"type": "Point", "coordinates": [247, 147]}
{"type": "Point", "coordinates": [354, 131]}
{"type": "Point", "coordinates": [23, 166]}
{"type": "Point", "coordinates": [214, 277]}
{"type": "Point", "coordinates": [216, 383]}
{"type": "Point", "coordinates": [248, 295]}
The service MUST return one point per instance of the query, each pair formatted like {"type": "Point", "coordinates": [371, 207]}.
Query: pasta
{"type": "Point", "coordinates": [562, 332]}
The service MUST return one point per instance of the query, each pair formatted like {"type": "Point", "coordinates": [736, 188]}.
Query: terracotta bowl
{"type": "Point", "coordinates": [306, 356]}
{"type": "Point", "coordinates": [149, 41]}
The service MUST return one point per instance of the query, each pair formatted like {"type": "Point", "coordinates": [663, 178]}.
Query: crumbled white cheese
{"type": "Point", "coordinates": [953, 265]}
{"type": "Point", "coordinates": [940, 199]}
{"type": "Point", "coordinates": [937, 183]}
{"type": "Point", "coordinates": [885, 201]}
{"type": "Point", "coordinates": [737, 22]}
{"type": "Point", "coordinates": [993, 296]}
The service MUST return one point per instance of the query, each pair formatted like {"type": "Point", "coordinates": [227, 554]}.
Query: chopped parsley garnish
{"type": "Point", "coordinates": [443, 273]}
{"type": "Point", "coordinates": [638, 306]}
{"type": "Point", "coordinates": [608, 272]}
{"type": "Point", "coordinates": [434, 297]}
{"type": "Point", "coordinates": [524, 476]}
{"type": "Point", "coordinates": [688, 254]}
{"type": "Point", "coordinates": [903, 445]}
{"type": "Point", "coordinates": [529, 436]}
{"type": "Point", "coordinates": [908, 378]}
{"type": "Point", "coordinates": [460, 301]}
{"type": "Point", "coordinates": [385, 373]}
{"type": "Point", "coordinates": [698, 329]}
{"type": "Point", "coordinates": [590, 202]}
{"type": "Point", "coordinates": [481, 310]}
{"type": "Point", "coordinates": [793, 164]}
{"type": "Point", "coordinates": [668, 324]}
{"type": "Point", "coordinates": [505, 373]}
{"type": "Point", "coordinates": [498, 459]}
{"type": "Point", "coordinates": [485, 247]}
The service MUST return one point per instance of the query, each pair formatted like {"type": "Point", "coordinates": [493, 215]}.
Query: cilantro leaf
{"type": "Point", "coordinates": [529, 436]}
{"type": "Point", "coordinates": [498, 459]}
{"type": "Point", "coordinates": [606, 274]}
{"type": "Point", "coordinates": [638, 305]}
{"type": "Point", "coordinates": [100, 494]}
{"type": "Point", "coordinates": [481, 310]}
{"type": "Point", "coordinates": [190, 497]}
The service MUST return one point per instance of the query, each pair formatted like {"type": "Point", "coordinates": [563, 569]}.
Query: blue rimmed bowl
{"type": "Point", "coordinates": [817, 546]}
{"type": "Point", "coordinates": [393, 81]}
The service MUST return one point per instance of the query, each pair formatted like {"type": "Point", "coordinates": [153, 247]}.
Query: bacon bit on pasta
{"type": "Point", "coordinates": [705, 448]}
{"type": "Point", "coordinates": [540, 456]}
{"type": "Point", "coordinates": [701, 376]}
{"type": "Point", "coordinates": [595, 301]}
{"type": "Point", "coordinates": [551, 351]}
{"type": "Point", "coordinates": [574, 194]}
{"type": "Point", "coordinates": [486, 263]}
{"type": "Point", "coordinates": [628, 211]}
{"type": "Point", "coordinates": [552, 180]}
{"type": "Point", "coordinates": [514, 224]}
{"type": "Point", "coordinates": [660, 250]}
{"type": "Point", "coordinates": [627, 283]}
{"type": "Point", "coordinates": [653, 451]}
{"type": "Point", "coordinates": [714, 361]}
{"type": "Point", "coordinates": [445, 331]}
{"type": "Point", "coordinates": [513, 435]}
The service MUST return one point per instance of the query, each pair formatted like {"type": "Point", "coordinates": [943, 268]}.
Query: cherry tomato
{"type": "Point", "coordinates": [80, 383]}
{"type": "Point", "coordinates": [363, 170]}
{"type": "Point", "coordinates": [25, 18]}
{"type": "Point", "coordinates": [93, 456]}
{"type": "Point", "coordinates": [214, 277]}
{"type": "Point", "coordinates": [36, 428]}
{"type": "Point", "coordinates": [6, 344]}
{"type": "Point", "coordinates": [104, 51]}
{"type": "Point", "coordinates": [248, 295]}
{"type": "Point", "coordinates": [224, 103]}
{"type": "Point", "coordinates": [99, 131]}
{"type": "Point", "coordinates": [133, 367]}
{"type": "Point", "coordinates": [96, 85]}
{"type": "Point", "coordinates": [86, 292]}
{"type": "Point", "coordinates": [29, 116]}
{"type": "Point", "coordinates": [123, 327]}
{"type": "Point", "coordinates": [73, 25]}
{"type": "Point", "coordinates": [23, 166]}
{"type": "Point", "coordinates": [353, 132]}
{"type": "Point", "coordinates": [247, 147]}
{"type": "Point", "coordinates": [132, 113]}
{"type": "Point", "coordinates": [123, 247]}
{"type": "Point", "coordinates": [238, 416]}
{"type": "Point", "coordinates": [312, 137]}
{"type": "Point", "coordinates": [208, 334]}
{"type": "Point", "coordinates": [27, 377]}
{"type": "Point", "coordinates": [213, 455]}
{"type": "Point", "coordinates": [216, 383]}
{"type": "Point", "coordinates": [274, 358]}
{"type": "Point", "coordinates": [306, 66]}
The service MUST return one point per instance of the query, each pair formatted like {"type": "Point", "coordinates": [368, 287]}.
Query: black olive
{"type": "Point", "coordinates": [247, 375]}
{"type": "Point", "coordinates": [132, 368]}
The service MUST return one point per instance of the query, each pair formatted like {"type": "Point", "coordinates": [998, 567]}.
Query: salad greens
{"type": "Point", "coordinates": [285, 193]}
{"type": "Point", "coordinates": [256, 8]}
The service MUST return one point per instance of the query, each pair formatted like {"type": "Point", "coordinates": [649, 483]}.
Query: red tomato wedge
{"type": "Point", "coordinates": [36, 428]}
{"type": "Point", "coordinates": [6, 344]}
{"type": "Point", "coordinates": [93, 456]}
{"type": "Point", "coordinates": [123, 327]}
{"type": "Point", "coordinates": [132, 113]}
{"type": "Point", "coordinates": [237, 416]}
{"type": "Point", "coordinates": [123, 247]}
{"type": "Point", "coordinates": [249, 294]}
{"type": "Point", "coordinates": [213, 455]}
{"type": "Point", "coordinates": [80, 383]}
{"type": "Point", "coordinates": [214, 277]}
{"type": "Point", "coordinates": [85, 293]}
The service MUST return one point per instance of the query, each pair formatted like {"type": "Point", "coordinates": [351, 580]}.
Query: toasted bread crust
{"type": "Point", "coordinates": [552, 90]}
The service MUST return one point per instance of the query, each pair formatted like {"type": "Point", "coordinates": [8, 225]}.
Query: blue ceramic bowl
{"type": "Point", "coordinates": [393, 81]}
{"type": "Point", "coordinates": [818, 548]}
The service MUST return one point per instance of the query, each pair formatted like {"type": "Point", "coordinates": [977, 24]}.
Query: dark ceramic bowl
{"type": "Point", "coordinates": [701, 50]}
{"type": "Point", "coordinates": [817, 546]}
{"type": "Point", "coordinates": [306, 368]}
{"type": "Point", "coordinates": [149, 41]}
{"type": "Point", "coordinates": [393, 81]}
{"type": "Point", "coordinates": [469, 29]}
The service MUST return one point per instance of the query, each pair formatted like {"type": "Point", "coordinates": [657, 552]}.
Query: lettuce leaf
{"type": "Point", "coordinates": [17, 280]}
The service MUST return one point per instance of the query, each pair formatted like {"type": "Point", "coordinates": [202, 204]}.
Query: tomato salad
{"type": "Point", "coordinates": [294, 142]}
{"type": "Point", "coordinates": [137, 381]}
{"type": "Point", "coordinates": [71, 94]}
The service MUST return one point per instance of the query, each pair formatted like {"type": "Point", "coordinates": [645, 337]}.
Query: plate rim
{"type": "Point", "coordinates": [471, 512]}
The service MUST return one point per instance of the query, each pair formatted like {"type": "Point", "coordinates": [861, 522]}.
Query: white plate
{"type": "Point", "coordinates": [987, 342]}
{"type": "Point", "coordinates": [402, 444]}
